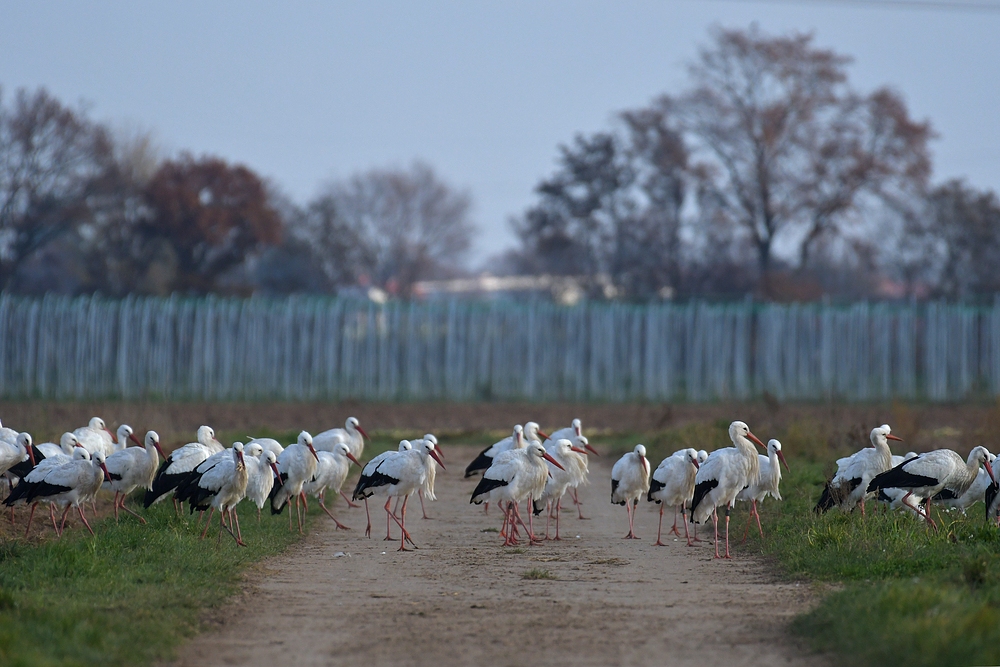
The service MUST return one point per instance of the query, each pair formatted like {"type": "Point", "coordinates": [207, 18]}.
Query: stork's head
{"type": "Point", "coordinates": [518, 436]}
{"type": "Point", "coordinates": [535, 449]}
{"type": "Point", "coordinates": [125, 433]}
{"type": "Point", "coordinates": [431, 449]}
{"type": "Point", "coordinates": [880, 434]}
{"type": "Point", "coordinates": [342, 449]}
{"type": "Point", "coordinates": [253, 449]}
{"type": "Point", "coordinates": [68, 441]}
{"type": "Point", "coordinates": [739, 429]}
{"type": "Point", "coordinates": [272, 461]}
{"type": "Point", "coordinates": [153, 440]}
{"type": "Point", "coordinates": [583, 442]}
{"type": "Point", "coordinates": [692, 457]}
{"type": "Point", "coordinates": [702, 456]}
{"type": "Point", "coordinates": [238, 454]}
{"type": "Point", "coordinates": [206, 436]}
{"type": "Point", "coordinates": [981, 456]}
{"type": "Point", "coordinates": [98, 458]}
{"type": "Point", "coordinates": [80, 453]}
{"type": "Point", "coordinates": [774, 447]}
{"type": "Point", "coordinates": [577, 427]}
{"type": "Point", "coordinates": [23, 443]}
{"type": "Point", "coordinates": [532, 431]}
{"type": "Point", "coordinates": [354, 425]}
{"type": "Point", "coordinates": [306, 440]}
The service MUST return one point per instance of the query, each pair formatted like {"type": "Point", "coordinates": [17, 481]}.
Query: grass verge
{"type": "Point", "coordinates": [126, 596]}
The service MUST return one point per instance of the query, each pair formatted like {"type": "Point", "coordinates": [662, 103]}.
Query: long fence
{"type": "Point", "coordinates": [314, 349]}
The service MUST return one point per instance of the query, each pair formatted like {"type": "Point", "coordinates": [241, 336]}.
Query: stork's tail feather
{"type": "Point", "coordinates": [654, 486]}
{"type": "Point", "coordinates": [700, 491]}
{"type": "Point", "coordinates": [480, 463]}
{"type": "Point", "coordinates": [991, 493]}
{"type": "Point", "coordinates": [826, 501]}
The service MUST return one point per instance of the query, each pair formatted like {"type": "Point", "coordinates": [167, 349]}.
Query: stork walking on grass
{"type": "Point", "coordinates": [262, 473]}
{"type": "Point", "coordinates": [767, 484]}
{"type": "Point", "coordinates": [220, 483]}
{"type": "Point", "coordinates": [724, 474]}
{"type": "Point", "coordinates": [933, 472]}
{"type": "Point", "coordinates": [849, 485]}
{"type": "Point", "coordinates": [182, 461]}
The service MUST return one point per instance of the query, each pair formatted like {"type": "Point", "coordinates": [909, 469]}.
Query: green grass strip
{"type": "Point", "coordinates": [127, 596]}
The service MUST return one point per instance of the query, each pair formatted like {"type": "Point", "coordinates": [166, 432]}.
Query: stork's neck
{"type": "Point", "coordinates": [882, 447]}
{"type": "Point", "coordinates": [750, 454]}
{"type": "Point", "coordinates": [772, 457]}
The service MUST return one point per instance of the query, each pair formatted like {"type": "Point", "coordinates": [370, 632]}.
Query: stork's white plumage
{"type": "Point", "coordinates": [181, 462]}
{"type": "Point", "coordinates": [933, 472]}
{"type": "Point", "coordinates": [296, 466]}
{"type": "Point", "coordinates": [398, 475]}
{"type": "Point", "coordinates": [131, 468]}
{"type": "Point", "coordinates": [13, 453]}
{"type": "Point", "coordinates": [220, 483]}
{"type": "Point", "coordinates": [569, 433]}
{"type": "Point", "coordinates": [65, 447]}
{"type": "Point", "coordinates": [367, 471]}
{"type": "Point", "coordinates": [427, 490]}
{"type": "Point", "coordinates": [672, 484]}
{"type": "Point", "coordinates": [577, 464]}
{"type": "Point", "coordinates": [629, 482]}
{"type": "Point", "coordinates": [485, 458]}
{"type": "Point", "coordinates": [767, 484]}
{"type": "Point", "coordinates": [67, 485]}
{"type": "Point", "coordinates": [352, 434]}
{"type": "Point", "coordinates": [855, 472]}
{"type": "Point", "coordinates": [559, 479]}
{"type": "Point", "coordinates": [262, 471]}
{"type": "Point", "coordinates": [724, 474]}
{"type": "Point", "coordinates": [331, 471]}
{"type": "Point", "coordinates": [7, 435]}
{"type": "Point", "coordinates": [95, 437]}
{"type": "Point", "coordinates": [122, 436]}
{"type": "Point", "coordinates": [515, 476]}
{"type": "Point", "coordinates": [267, 444]}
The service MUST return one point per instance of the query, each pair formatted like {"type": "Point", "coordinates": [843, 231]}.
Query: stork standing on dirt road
{"type": "Point", "coordinates": [672, 484]}
{"type": "Point", "coordinates": [515, 476]}
{"type": "Point", "coordinates": [724, 474]}
{"type": "Point", "coordinates": [559, 480]}
{"type": "Point", "coordinates": [399, 475]}
{"type": "Point", "coordinates": [629, 482]}
{"type": "Point", "coordinates": [331, 471]}
{"type": "Point", "coordinates": [933, 472]}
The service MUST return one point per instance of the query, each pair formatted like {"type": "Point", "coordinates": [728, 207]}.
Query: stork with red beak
{"type": "Point", "coordinates": [296, 466]}
{"type": "Point", "coordinates": [849, 485]}
{"type": "Point", "coordinates": [724, 474]}
{"type": "Point", "coordinates": [673, 485]}
{"type": "Point", "coordinates": [767, 485]}
{"type": "Point", "coordinates": [629, 482]}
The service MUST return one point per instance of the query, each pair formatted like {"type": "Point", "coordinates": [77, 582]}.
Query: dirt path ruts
{"type": "Point", "coordinates": [461, 599]}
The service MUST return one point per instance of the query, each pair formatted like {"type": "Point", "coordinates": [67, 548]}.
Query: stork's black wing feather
{"type": "Point", "coordinates": [486, 484]}
{"type": "Point", "coordinates": [701, 490]}
{"type": "Point", "coordinates": [480, 463]}
{"type": "Point", "coordinates": [654, 486]}
{"type": "Point", "coordinates": [898, 478]}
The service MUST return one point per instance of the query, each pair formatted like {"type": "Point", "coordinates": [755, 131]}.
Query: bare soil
{"type": "Point", "coordinates": [339, 598]}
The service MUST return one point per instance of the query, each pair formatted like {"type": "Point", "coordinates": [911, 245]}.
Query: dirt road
{"type": "Point", "coordinates": [462, 599]}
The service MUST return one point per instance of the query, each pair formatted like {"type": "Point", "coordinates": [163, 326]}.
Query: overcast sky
{"type": "Point", "coordinates": [482, 91]}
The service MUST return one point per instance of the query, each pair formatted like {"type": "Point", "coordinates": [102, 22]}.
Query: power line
{"type": "Point", "coordinates": [970, 6]}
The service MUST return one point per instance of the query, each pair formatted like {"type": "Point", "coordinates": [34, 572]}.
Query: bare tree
{"type": "Point", "coordinates": [390, 227]}
{"type": "Point", "coordinates": [50, 156]}
{"type": "Point", "coordinates": [965, 223]}
{"type": "Point", "coordinates": [793, 149]}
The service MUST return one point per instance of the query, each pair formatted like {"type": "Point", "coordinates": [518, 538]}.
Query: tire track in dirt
{"type": "Point", "coordinates": [461, 599]}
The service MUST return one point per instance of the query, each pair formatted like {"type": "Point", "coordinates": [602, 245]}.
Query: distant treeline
{"type": "Point", "coordinates": [769, 174]}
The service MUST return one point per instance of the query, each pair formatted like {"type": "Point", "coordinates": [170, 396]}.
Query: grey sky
{"type": "Point", "coordinates": [484, 92]}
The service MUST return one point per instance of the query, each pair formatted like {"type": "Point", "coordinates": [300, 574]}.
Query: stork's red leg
{"type": "Point", "coordinates": [208, 521]}
{"type": "Point", "coordinates": [62, 524]}
{"type": "Point", "coordinates": [32, 514]}
{"type": "Point", "coordinates": [659, 526]}
{"type": "Point", "coordinates": [79, 508]}
{"type": "Point", "coordinates": [672, 530]}
{"type": "Point", "coordinates": [349, 503]}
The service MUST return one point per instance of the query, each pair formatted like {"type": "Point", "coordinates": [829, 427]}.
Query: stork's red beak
{"type": "Point", "coordinates": [109, 433]}
{"type": "Point", "coordinates": [782, 457]}
{"type": "Point", "coordinates": [551, 460]}
{"type": "Point", "coordinates": [756, 440]}
{"type": "Point", "coordinates": [890, 436]}
{"type": "Point", "coordinates": [313, 450]}
{"type": "Point", "coordinates": [160, 450]}
{"type": "Point", "coordinates": [989, 469]}
{"type": "Point", "coordinates": [578, 450]}
{"type": "Point", "coordinates": [277, 475]}
{"type": "Point", "coordinates": [351, 457]}
{"type": "Point", "coordinates": [437, 458]}
{"type": "Point", "coordinates": [131, 436]}
{"type": "Point", "coordinates": [697, 466]}
{"type": "Point", "coordinates": [31, 455]}
{"type": "Point", "coordinates": [107, 475]}
{"type": "Point", "coordinates": [591, 450]}
{"type": "Point", "coordinates": [362, 432]}
{"type": "Point", "coordinates": [542, 433]}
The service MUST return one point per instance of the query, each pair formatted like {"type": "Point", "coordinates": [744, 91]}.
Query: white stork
{"type": "Point", "coordinates": [262, 471]}
{"type": "Point", "coordinates": [400, 474]}
{"type": "Point", "coordinates": [724, 474]}
{"type": "Point", "coordinates": [131, 468]}
{"type": "Point", "coordinates": [67, 485]}
{"type": "Point", "coordinates": [672, 484]}
{"type": "Point", "coordinates": [331, 471]}
{"type": "Point", "coordinates": [14, 453]}
{"type": "Point", "coordinates": [629, 482]}
{"type": "Point", "coordinates": [181, 463]}
{"type": "Point", "coordinates": [352, 434]}
{"type": "Point", "coordinates": [933, 472]}
{"type": "Point", "coordinates": [367, 471]}
{"type": "Point", "coordinates": [485, 458]}
{"type": "Point", "coordinates": [515, 476]}
{"type": "Point", "coordinates": [8, 435]}
{"type": "Point", "coordinates": [847, 488]}
{"type": "Point", "coordinates": [559, 479]}
{"type": "Point", "coordinates": [569, 433]}
{"type": "Point", "coordinates": [220, 483]}
{"type": "Point", "coordinates": [428, 488]}
{"type": "Point", "coordinates": [767, 484]}
{"type": "Point", "coordinates": [975, 493]}
{"type": "Point", "coordinates": [65, 447]}
{"type": "Point", "coordinates": [95, 437]}
{"type": "Point", "coordinates": [296, 466]}
{"type": "Point", "coordinates": [267, 444]}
